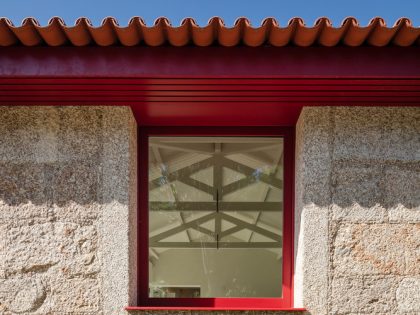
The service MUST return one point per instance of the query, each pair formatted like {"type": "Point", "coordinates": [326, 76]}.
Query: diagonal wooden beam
{"type": "Point", "coordinates": [182, 228]}
{"type": "Point", "coordinates": [239, 184]}
{"type": "Point", "coordinates": [153, 254]}
{"type": "Point", "coordinates": [181, 173]}
{"type": "Point", "coordinates": [251, 174]}
{"type": "Point", "coordinates": [197, 185]}
{"type": "Point", "coordinates": [265, 194]}
{"type": "Point", "coordinates": [204, 230]}
{"type": "Point", "coordinates": [231, 231]}
{"type": "Point", "coordinates": [244, 182]}
{"type": "Point", "coordinates": [252, 227]}
{"type": "Point", "coordinates": [159, 159]}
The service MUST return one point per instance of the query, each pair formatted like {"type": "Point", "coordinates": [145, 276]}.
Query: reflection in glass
{"type": "Point", "coordinates": [215, 216]}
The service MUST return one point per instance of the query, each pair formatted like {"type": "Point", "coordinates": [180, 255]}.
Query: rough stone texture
{"type": "Point", "coordinates": [311, 216]}
{"type": "Point", "coordinates": [401, 186]}
{"type": "Point", "coordinates": [118, 221]}
{"type": "Point", "coordinates": [62, 170]}
{"type": "Point", "coordinates": [366, 295]}
{"type": "Point", "coordinates": [76, 295]}
{"type": "Point", "coordinates": [29, 135]}
{"type": "Point", "coordinates": [68, 211]}
{"type": "Point", "coordinates": [3, 234]}
{"type": "Point", "coordinates": [357, 168]}
{"type": "Point", "coordinates": [372, 249]}
{"type": "Point", "coordinates": [23, 296]}
{"type": "Point", "coordinates": [408, 295]}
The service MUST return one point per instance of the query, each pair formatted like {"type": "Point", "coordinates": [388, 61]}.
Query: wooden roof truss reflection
{"type": "Point", "coordinates": [219, 209]}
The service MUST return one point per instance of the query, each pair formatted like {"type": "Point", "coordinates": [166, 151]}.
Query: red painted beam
{"type": "Point", "coordinates": [211, 101]}
{"type": "Point", "coordinates": [152, 62]}
{"type": "Point", "coordinates": [212, 86]}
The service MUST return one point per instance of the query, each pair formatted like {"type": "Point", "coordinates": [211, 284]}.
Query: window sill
{"type": "Point", "coordinates": [185, 308]}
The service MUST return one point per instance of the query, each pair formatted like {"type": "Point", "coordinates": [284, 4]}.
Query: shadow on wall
{"type": "Point", "coordinates": [56, 156]}
{"type": "Point", "coordinates": [358, 210]}
{"type": "Point", "coordinates": [60, 167]}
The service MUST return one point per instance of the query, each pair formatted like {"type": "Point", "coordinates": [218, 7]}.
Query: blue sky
{"type": "Point", "coordinates": [202, 10]}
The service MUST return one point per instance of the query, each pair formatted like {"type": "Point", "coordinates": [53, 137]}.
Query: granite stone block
{"type": "Point", "coordinates": [402, 187]}
{"type": "Point", "coordinates": [408, 295]}
{"type": "Point", "coordinates": [368, 295]}
{"type": "Point", "coordinates": [79, 136]}
{"type": "Point", "coordinates": [356, 185]}
{"type": "Point", "coordinates": [21, 183]}
{"type": "Point", "coordinates": [401, 134]}
{"type": "Point", "coordinates": [76, 295]}
{"type": "Point", "coordinates": [376, 249]}
{"type": "Point", "coordinates": [29, 134]}
{"type": "Point", "coordinates": [358, 214]}
{"type": "Point", "coordinates": [358, 133]}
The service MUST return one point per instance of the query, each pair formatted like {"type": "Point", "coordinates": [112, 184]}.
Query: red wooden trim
{"type": "Point", "coordinates": [284, 302]}
{"type": "Point", "coordinates": [212, 101]}
{"type": "Point", "coordinates": [211, 81]}
{"type": "Point", "coordinates": [209, 61]}
{"type": "Point", "coordinates": [143, 217]}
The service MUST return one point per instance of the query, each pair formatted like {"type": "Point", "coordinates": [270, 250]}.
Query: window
{"type": "Point", "coordinates": [215, 217]}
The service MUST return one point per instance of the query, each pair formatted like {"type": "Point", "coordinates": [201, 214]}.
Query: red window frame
{"type": "Point", "coordinates": [282, 303]}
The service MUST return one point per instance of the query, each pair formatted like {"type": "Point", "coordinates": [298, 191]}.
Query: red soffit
{"type": "Point", "coordinates": [296, 33]}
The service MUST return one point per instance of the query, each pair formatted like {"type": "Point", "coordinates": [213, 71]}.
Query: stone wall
{"type": "Point", "coordinates": [68, 211]}
{"type": "Point", "coordinates": [67, 194]}
{"type": "Point", "coordinates": [358, 210]}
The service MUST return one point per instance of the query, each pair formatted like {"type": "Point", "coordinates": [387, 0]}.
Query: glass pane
{"type": "Point", "coordinates": [215, 217]}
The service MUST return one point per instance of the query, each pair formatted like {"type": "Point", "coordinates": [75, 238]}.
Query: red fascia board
{"type": "Point", "coordinates": [211, 101]}
{"type": "Point", "coordinates": [194, 62]}
{"type": "Point", "coordinates": [212, 86]}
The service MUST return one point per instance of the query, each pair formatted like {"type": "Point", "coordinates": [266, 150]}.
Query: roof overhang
{"type": "Point", "coordinates": [211, 85]}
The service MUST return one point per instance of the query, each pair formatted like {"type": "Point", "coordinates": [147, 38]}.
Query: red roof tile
{"type": "Point", "coordinates": [83, 33]}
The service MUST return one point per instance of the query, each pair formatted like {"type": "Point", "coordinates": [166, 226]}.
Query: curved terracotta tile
{"type": "Point", "coordinates": [305, 36]}
{"type": "Point", "coordinates": [129, 35]}
{"type": "Point", "coordinates": [356, 35]}
{"type": "Point", "coordinates": [229, 36]}
{"type": "Point", "coordinates": [83, 33]}
{"type": "Point", "coordinates": [280, 36]}
{"type": "Point", "coordinates": [206, 35]}
{"type": "Point", "coordinates": [330, 36]}
{"type": "Point", "coordinates": [27, 33]}
{"type": "Point", "coordinates": [155, 35]}
{"type": "Point", "coordinates": [380, 34]}
{"type": "Point", "coordinates": [78, 34]}
{"type": "Point", "coordinates": [179, 36]}
{"type": "Point", "coordinates": [7, 38]}
{"type": "Point", "coordinates": [254, 37]}
{"type": "Point", "coordinates": [53, 34]}
{"type": "Point", "coordinates": [407, 35]}
{"type": "Point", "coordinates": [104, 35]}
